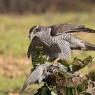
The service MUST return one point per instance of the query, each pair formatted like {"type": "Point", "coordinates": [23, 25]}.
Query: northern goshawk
{"type": "Point", "coordinates": [58, 40]}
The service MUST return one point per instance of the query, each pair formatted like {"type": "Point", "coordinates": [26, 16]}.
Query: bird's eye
{"type": "Point", "coordinates": [38, 29]}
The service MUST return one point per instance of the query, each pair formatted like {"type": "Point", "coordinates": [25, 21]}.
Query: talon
{"type": "Point", "coordinates": [56, 61]}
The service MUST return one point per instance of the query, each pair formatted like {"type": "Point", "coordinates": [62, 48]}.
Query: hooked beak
{"type": "Point", "coordinates": [31, 36]}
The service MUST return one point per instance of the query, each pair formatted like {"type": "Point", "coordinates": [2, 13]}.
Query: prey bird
{"type": "Point", "coordinates": [41, 73]}
{"type": "Point", "coordinates": [58, 40]}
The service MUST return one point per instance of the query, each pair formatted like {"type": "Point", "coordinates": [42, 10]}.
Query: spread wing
{"type": "Point", "coordinates": [58, 29]}
{"type": "Point", "coordinates": [35, 48]}
{"type": "Point", "coordinates": [31, 50]}
{"type": "Point", "coordinates": [32, 47]}
{"type": "Point", "coordinates": [34, 77]}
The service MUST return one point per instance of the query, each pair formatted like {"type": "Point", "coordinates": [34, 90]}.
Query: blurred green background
{"type": "Point", "coordinates": [18, 16]}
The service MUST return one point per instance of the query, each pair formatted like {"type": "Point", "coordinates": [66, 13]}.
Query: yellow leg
{"type": "Point", "coordinates": [56, 61]}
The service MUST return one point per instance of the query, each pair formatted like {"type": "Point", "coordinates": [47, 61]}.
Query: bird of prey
{"type": "Point", "coordinates": [58, 40]}
{"type": "Point", "coordinates": [41, 73]}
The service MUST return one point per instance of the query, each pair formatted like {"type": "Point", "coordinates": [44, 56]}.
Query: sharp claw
{"type": "Point", "coordinates": [55, 61]}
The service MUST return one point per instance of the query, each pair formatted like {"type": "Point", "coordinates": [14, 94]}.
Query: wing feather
{"type": "Point", "coordinates": [58, 29]}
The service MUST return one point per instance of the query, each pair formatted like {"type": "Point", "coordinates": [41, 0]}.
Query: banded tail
{"type": "Point", "coordinates": [89, 46]}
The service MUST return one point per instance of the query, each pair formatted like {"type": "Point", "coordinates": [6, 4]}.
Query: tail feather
{"type": "Point", "coordinates": [89, 46]}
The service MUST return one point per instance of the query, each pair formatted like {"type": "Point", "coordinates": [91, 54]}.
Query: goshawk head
{"type": "Point", "coordinates": [36, 31]}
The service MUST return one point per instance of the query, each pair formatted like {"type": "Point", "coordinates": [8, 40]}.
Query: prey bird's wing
{"type": "Point", "coordinates": [35, 77]}
{"type": "Point", "coordinates": [58, 29]}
